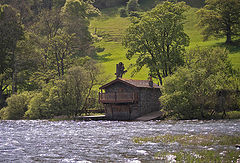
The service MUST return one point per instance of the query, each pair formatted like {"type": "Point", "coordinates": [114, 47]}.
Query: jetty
{"type": "Point", "coordinates": [151, 116]}
{"type": "Point", "coordinates": [92, 118]}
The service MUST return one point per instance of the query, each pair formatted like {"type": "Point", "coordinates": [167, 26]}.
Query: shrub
{"type": "Point", "coordinates": [39, 106]}
{"type": "Point", "coordinates": [132, 5]}
{"type": "Point", "coordinates": [135, 14]}
{"type": "Point", "coordinates": [123, 12]}
{"type": "Point", "coordinates": [17, 106]}
{"type": "Point", "coordinates": [192, 91]}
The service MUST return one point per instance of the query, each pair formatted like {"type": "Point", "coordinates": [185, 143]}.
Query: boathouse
{"type": "Point", "coordinates": [127, 99]}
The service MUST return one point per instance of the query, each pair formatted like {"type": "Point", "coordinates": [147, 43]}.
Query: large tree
{"type": "Point", "coordinates": [11, 31]}
{"type": "Point", "coordinates": [158, 39]}
{"type": "Point", "coordinates": [76, 14]}
{"type": "Point", "coordinates": [220, 18]}
{"type": "Point", "coordinates": [192, 91]}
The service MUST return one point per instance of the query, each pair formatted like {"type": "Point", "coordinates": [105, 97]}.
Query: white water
{"type": "Point", "coordinates": [97, 141]}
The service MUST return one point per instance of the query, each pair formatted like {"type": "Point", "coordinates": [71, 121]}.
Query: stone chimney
{"type": "Point", "coordinates": [150, 81]}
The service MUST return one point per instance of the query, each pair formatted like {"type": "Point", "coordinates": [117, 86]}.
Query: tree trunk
{"type": "Point", "coordinates": [62, 67]}
{"type": "Point", "coordinates": [229, 35]}
{"type": "Point", "coordinates": [58, 65]}
{"type": "Point", "coordinates": [14, 75]}
{"type": "Point", "coordinates": [229, 38]}
{"type": "Point", "coordinates": [159, 77]}
{"type": "Point", "coordinates": [2, 100]}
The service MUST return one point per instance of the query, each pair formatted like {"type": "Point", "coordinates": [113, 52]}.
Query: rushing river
{"type": "Point", "coordinates": [96, 141]}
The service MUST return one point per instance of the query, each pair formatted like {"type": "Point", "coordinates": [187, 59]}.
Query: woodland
{"type": "Point", "coordinates": [56, 53]}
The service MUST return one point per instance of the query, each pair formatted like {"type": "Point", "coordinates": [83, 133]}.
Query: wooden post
{"type": "Point", "coordinates": [99, 97]}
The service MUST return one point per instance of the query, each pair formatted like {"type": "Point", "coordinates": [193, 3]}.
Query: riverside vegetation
{"type": "Point", "coordinates": [204, 153]}
{"type": "Point", "coordinates": [55, 54]}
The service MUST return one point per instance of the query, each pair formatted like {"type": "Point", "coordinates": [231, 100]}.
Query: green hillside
{"type": "Point", "coordinates": [113, 27]}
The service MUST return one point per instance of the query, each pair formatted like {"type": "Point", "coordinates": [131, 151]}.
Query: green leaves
{"type": "Point", "coordinates": [158, 39]}
{"type": "Point", "coordinates": [220, 18]}
{"type": "Point", "coordinates": [191, 92]}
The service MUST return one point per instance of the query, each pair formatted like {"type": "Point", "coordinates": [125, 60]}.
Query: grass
{"type": "Point", "coordinates": [233, 114]}
{"type": "Point", "coordinates": [199, 156]}
{"type": "Point", "coordinates": [112, 27]}
{"type": "Point", "coordinates": [196, 148]}
{"type": "Point", "coordinates": [193, 140]}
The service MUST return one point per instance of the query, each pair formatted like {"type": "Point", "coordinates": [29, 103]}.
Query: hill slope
{"type": "Point", "coordinates": [112, 27]}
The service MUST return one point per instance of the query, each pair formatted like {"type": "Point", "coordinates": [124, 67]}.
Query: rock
{"type": "Point", "coordinates": [237, 146]}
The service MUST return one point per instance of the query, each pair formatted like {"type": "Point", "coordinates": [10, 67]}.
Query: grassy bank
{"type": "Point", "coordinates": [196, 148]}
{"type": "Point", "coordinates": [112, 28]}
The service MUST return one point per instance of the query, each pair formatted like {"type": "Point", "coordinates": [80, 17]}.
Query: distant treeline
{"type": "Point", "coordinates": [101, 4]}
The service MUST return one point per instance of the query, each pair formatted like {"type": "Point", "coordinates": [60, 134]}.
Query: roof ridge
{"type": "Point", "coordinates": [133, 82]}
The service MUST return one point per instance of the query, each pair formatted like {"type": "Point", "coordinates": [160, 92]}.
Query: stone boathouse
{"type": "Point", "coordinates": [126, 99]}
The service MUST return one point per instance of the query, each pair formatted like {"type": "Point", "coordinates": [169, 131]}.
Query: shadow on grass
{"type": "Point", "coordinates": [103, 58]}
{"type": "Point", "coordinates": [110, 12]}
{"type": "Point", "coordinates": [233, 48]}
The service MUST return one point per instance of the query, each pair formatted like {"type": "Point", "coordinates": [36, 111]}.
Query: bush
{"type": "Point", "coordinates": [2, 113]}
{"type": "Point", "coordinates": [99, 49]}
{"type": "Point", "coordinates": [17, 106]}
{"type": "Point", "coordinates": [192, 91]}
{"type": "Point", "coordinates": [123, 12]}
{"type": "Point", "coordinates": [38, 107]}
{"type": "Point", "coordinates": [233, 115]}
{"type": "Point", "coordinates": [135, 14]}
{"type": "Point", "coordinates": [132, 5]}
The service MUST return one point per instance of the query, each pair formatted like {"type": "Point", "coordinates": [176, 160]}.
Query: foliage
{"type": "Point", "coordinates": [60, 52]}
{"type": "Point", "coordinates": [17, 106]}
{"type": "Point", "coordinates": [198, 144]}
{"type": "Point", "coordinates": [223, 155]}
{"type": "Point", "coordinates": [185, 140]}
{"type": "Point", "coordinates": [48, 24]}
{"type": "Point", "coordinates": [132, 5]}
{"type": "Point", "coordinates": [11, 31]}
{"type": "Point", "coordinates": [220, 18]}
{"type": "Point", "coordinates": [233, 114]}
{"type": "Point", "coordinates": [123, 12]}
{"type": "Point", "coordinates": [192, 91]}
{"type": "Point", "coordinates": [27, 59]}
{"type": "Point", "coordinates": [75, 20]}
{"type": "Point", "coordinates": [80, 81]}
{"type": "Point", "coordinates": [158, 39]}
{"type": "Point", "coordinates": [69, 96]}
{"type": "Point", "coordinates": [38, 107]}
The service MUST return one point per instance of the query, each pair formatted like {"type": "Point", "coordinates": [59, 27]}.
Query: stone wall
{"type": "Point", "coordinates": [149, 100]}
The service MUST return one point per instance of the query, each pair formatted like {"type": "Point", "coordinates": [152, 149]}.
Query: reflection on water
{"type": "Point", "coordinates": [96, 141]}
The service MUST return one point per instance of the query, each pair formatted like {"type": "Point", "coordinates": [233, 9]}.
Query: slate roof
{"type": "Point", "coordinates": [133, 83]}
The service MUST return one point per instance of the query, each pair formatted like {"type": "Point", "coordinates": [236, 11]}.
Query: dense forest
{"type": "Point", "coordinates": [50, 64]}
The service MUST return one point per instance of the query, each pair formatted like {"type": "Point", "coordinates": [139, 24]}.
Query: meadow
{"type": "Point", "coordinates": [111, 27]}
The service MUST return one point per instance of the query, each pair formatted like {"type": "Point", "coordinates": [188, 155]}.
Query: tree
{"type": "Point", "coordinates": [158, 39]}
{"type": "Point", "coordinates": [220, 18]}
{"type": "Point", "coordinates": [68, 96]}
{"type": "Point", "coordinates": [192, 91]}
{"type": "Point", "coordinates": [80, 81]}
{"type": "Point", "coordinates": [76, 14]}
{"type": "Point", "coordinates": [48, 24]}
{"type": "Point", "coordinates": [24, 8]}
{"type": "Point", "coordinates": [11, 31]}
{"type": "Point", "coordinates": [60, 51]}
{"type": "Point", "coordinates": [17, 106]}
{"type": "Point", "coordinates": [132, 5]}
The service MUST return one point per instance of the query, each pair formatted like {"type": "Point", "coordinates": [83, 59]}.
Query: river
{"type": "Point", "coordinates": [96, 141]}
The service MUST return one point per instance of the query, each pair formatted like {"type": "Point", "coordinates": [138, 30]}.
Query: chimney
{"type": "Point", "coordinates": [150, 81]}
